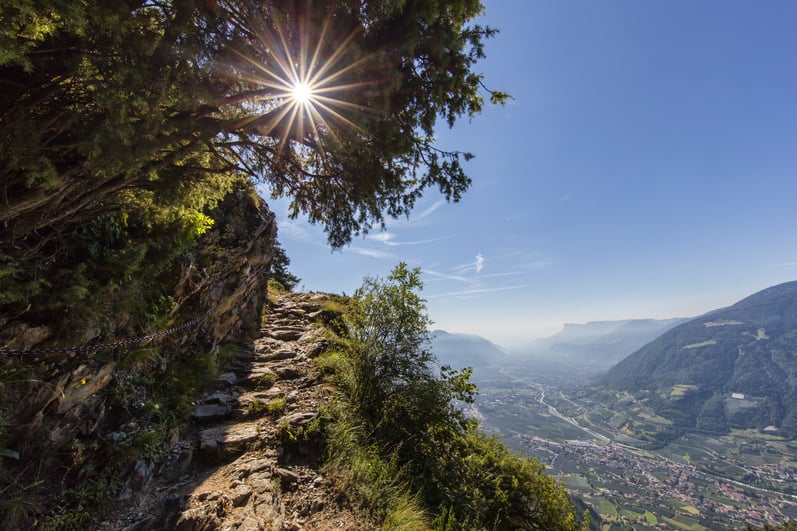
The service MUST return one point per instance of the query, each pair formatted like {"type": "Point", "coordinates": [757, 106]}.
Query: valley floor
{"type": "Point", "coordinates": [696, 482]}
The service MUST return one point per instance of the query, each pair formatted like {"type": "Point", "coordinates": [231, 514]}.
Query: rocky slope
{"type": "Point", "coordinates": [252, 461]}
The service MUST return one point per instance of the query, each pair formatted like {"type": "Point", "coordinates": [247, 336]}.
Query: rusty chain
{"type": "Point", "coordinates": [102, 346]}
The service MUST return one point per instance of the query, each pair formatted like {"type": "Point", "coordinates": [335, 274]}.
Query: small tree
{"type": "Point", "coordinates": [395, 386]}
{"type": "Point", "coordinates": [279, 268]}
{"type": "Point", "coordinates": [411, 412]}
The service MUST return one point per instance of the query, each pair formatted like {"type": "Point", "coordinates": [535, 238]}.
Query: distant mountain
{"type": "Point", "coordinates": [597, 345]}
{"type": "Point", "coordinates": [465, 350]}
{"type": "Point", "coordinates": [732, 367]}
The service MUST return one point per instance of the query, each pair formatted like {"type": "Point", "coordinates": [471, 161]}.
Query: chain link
{"type": "Point", "coordinates": [103, 346]}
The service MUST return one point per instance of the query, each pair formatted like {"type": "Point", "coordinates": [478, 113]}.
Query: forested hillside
{"type": "Point", "coordinates": [733, 367]}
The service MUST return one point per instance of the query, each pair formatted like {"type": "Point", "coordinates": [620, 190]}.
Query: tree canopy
{"type": "Point", "coordinates": [125, 121]}
{"type": "Point", "coordinates": [102, 97]}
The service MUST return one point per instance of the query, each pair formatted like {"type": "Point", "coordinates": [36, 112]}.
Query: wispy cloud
{"type": "Point", "coordinates": [476, 265]}
{"type": "Point", "coordinates": [785, 264]}
{"type": "Point", "coordinates": [373, 253]}
{"type": "Point", "coordinates": [383, 237]}
{"type": "Point", "coordinates": [474, 291]}
{"type": "Point", "coordinates": [387, 238]}
{"type": "Point", "coordinates": [292, 230]}
{"type": "Point", "coordinates": [437, 204]}
{"type": "Point", "coordinates": [445, 276]}
{"type": "Point", "coordinates": [525, 260]}
{"type": "Point", "coordinates": [507, 274]}
{"type": "Point", "coordinates": [419, 242]}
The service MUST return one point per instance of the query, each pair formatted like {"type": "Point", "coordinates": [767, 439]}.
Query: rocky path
{"type": "Point", "coordinates": [242, 468]}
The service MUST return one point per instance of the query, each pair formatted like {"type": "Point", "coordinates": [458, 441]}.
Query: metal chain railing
{"type": "Point", "coordinates": [102, 346]}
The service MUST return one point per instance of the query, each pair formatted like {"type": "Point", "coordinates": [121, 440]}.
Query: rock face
{"type": "Point", "coordinates": [230, 291]}
{"type": "Point", "coordinates": [250, 464]}
{"type": "Point", "coordinates": [70, 408]}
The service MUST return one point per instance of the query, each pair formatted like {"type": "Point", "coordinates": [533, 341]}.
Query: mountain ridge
{"type": "Point", "coordinates": [595, 346]}
{"type": "Point", "coordinates": [737, 364]}
{"type": "Point", "coordinates": [465, 350]}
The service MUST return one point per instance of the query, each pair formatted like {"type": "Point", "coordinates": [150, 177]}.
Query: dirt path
{"type": "Point", "coordinates": [241, 468]}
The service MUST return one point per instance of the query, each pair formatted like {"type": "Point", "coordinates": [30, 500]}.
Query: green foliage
{"type": "Point", "coordinates": [334, 305]}
{"type": "Point", "coordinates": [266, 380]}
{"type": "Point", "coordinates": [405, 420]}
{"type": "Point", "coordinates": [128, 124]}
{"type": "Point", "coordinates": [276, 406]}
{"type": "Point", "coordinates": [279, 269]}
{"type": "Point", "coordinates": [19, 505]}
{"type": "Point", "coordinates": [741, 349]}
{"type": "Point", "coordinates": [275, 288]}
{"type": "Point", "coordinates": [366, 476]}
{"type": "Point", "coordinates": [78, 506]}
{"type": "Point", "coordinates": [256, 408]}
{"type": "Point", "coordinates": [332, 361]}
{"type": "Point", "coordinates": [117, 107]}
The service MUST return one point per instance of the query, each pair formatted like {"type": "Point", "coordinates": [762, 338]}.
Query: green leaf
{"type": "Point", "coordinates": [5, 452]}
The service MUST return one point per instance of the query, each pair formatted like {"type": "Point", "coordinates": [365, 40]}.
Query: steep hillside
{"type": "Point", "coordinates": [733, 367]}
{"type": "Point", "coordinates": [465, 350]}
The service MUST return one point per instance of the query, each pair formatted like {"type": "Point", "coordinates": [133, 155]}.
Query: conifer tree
{"type": "Point", "coordinates": [124, 117]}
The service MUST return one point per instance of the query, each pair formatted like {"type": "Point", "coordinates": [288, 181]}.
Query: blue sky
{"type": "Point", "coordinates": [647, 167]}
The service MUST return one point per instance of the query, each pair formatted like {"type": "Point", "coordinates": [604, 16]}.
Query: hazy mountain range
{"type": "Point", "coordinates": [466, 350]}
{"type": "Point", "coordinates": [732, 367]}
{"type": "Point", "coordinates": [597, 344]}
{"type": "Point", "coordinates": [578, 353]}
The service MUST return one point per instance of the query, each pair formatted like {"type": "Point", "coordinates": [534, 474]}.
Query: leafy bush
{"type": "Point", "coordinates": [399, 438]}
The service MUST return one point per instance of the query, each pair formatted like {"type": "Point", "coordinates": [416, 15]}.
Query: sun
{"type": "Point", "coordinates": [302, 97]}
{"type": "Point", "coordinates": [302, 93]}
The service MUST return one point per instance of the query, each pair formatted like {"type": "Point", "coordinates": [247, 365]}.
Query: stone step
{"type": "Point", "coordinates": [227, 439]}
{"type": "Point", "coordinates": [240, 366]}
{"type": "Point", "coordinates": [281, 354]}
{"type": "Point", "coordinates": [300, 418]}
{"type": "Point", "coordinates": [265, 344]}
{"type": "Point", "coordinates": [289, 372]}
{"type": "Point", "coordinates": [211, 412]}
{"type": "Point", "coordinates": [245, 354]}
{"type": "Point", "coordinates": [265, 394]}
{"type": "Point", "coordinates": [227, 377]}
{"type": "Point", "coordinates": [220, 398]}
{"type": "Point", "coordinates": [287, 323]}
{"type": "Point", "coordinates": [259, 376]}
{"type": "Point", "coordinates": [287, 334]}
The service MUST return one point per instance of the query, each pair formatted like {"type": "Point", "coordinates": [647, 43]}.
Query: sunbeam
{"type": "Point", "coordinates": [308, 90]}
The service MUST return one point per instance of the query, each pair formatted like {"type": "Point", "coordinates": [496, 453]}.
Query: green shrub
{"type": "Point", "coordinates": [401, 447]}
{"type": "Point", "coordinates": [265, 381]}
{"type": "Point", "coordinates": [276, 406]}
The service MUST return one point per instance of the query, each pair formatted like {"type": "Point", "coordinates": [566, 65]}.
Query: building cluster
{"type": "Point", "coordinates": [644, 483]}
